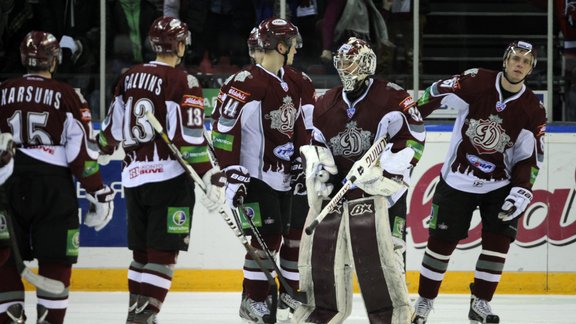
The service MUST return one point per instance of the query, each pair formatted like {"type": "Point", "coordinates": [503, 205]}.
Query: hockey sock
{"type": "Point", "coordinates": [135, 274]}
{"type": "Point", "coordinates": [11, 288]}
{"type": "Point", "coordinates": [255, 284]}
{"type": "Point", "coordinates": [289, 257]}
{"type": "Point", "coordinates": [434, 266]}
{"type": "Point", "coordinates": [54, 305]}
{"type": "Point", "coordinates": [157, 277]}
{"type": "Point", "coordinates": [490, 264]}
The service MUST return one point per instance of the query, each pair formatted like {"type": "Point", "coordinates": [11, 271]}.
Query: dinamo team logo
{"type": "Point", "coordinates": [488, 136]}
{"type": "Point", "coordinates": [351, 142]}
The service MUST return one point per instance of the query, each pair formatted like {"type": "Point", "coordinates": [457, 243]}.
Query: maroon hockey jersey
{"type": "Point", "coordinates": [51, 122]}
{"type": "Point", "coordinates": [349, 128]}
{"type": "Point", "coordinates": [494, 142]}
{"type": "Point", "coordinates": [176, 100]}
{"type": "Point", "coordinates": [257, 124]}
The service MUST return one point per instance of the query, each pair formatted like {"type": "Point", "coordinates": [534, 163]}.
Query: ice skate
{"type": "Point", "coordinates": [143, 314]}
{"type": "Point", "coordinates": [286, 306]}
{"type": "Point", "coordinates": [422, 308]}
{"type": "Point", "coordinates": [480, 311]}
{"type": "Point", "coordinates": [16, 314]}
{"type": "Point", "coordinates": [254, 311]}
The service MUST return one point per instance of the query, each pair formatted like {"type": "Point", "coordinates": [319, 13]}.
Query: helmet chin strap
{"type": "Point", "coordinates": [512, 82]}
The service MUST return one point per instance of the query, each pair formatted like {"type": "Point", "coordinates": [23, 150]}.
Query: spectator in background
{"type": "Point", "coordinates": [127, 29]}
{"type": "Point", "coordinates": [77, 26]}
{"type": "Point", "coordinates": [16, 19]}
{"type": "Point", "coordinates": [398, 16]}
{"type": "Point", "coordinates": [332, 14]}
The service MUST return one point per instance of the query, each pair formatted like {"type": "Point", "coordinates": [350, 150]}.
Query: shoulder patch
{"type": "Point", "coordinates": [192, 81]}
{"type": "Point", "coordinates": [242, 76]}
{"type": "Point", "coordinates": [407, 102]}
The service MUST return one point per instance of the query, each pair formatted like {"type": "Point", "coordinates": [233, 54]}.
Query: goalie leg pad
{"type": "Point", "coordinates": [382, 284]}
{"type": "Point", "coordinates": [325, 274]}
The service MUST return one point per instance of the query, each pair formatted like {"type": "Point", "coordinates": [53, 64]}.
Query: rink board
{"type": "Point", "coordinates": [540, 261]}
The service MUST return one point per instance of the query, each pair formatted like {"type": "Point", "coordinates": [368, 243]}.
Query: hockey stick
{"type": "Point", "coordinates": [224, 211]}
{"type": "Point", "coordinates": [43, 283]}
{"type": "Point", "coordinates": [300, 296]}
{"type": "Point", "coordinates": [369, 159]}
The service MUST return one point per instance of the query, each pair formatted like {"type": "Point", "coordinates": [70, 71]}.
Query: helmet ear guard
{"type": "Point", "coordinates": [355, 61]}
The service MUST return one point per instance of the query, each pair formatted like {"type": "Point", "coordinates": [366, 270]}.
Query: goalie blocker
{"type": "Point", "coordinates": [345, 237]}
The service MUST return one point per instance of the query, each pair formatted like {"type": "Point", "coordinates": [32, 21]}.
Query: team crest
{"type": "Point", "coordinates": [351, 142]}
{"type": "Point", "coordinates": [488, 136]}
{"type": "Point", "coordinates": [283, 118]}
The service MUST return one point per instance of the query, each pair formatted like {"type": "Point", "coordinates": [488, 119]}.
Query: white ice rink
{"type": "Point", "coordinates": [222, 308]}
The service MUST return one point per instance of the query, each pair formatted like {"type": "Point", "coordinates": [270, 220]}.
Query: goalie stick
{"type": "Point", "coordinates": [368, 160]}
{"type": "Point", "coordinates": [224, 211]}
{"type": "Point", "coordinates": [43, 283]}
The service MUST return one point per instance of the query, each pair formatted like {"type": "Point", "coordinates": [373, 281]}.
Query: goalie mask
{"type": "Point", "coordinates": [39, 49]}
{"type": "Point", "coordinates": [166, 33]}
{"type": "Point", "coordinates": [273, 31]}
{"type": "Point", "coordinates": [354, 61]}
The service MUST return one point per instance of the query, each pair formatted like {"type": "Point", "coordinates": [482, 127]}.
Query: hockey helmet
{"type": "Point", "coordinates": [272, 31]}
{"type": "Point", "coordinates": [354, 61]}
{"type": "Point", "coordinates": [38, 49]}
{"type": "Point", "coordinates": [166, 33]}
{"type": "Point", "coordinates": [521, 48]}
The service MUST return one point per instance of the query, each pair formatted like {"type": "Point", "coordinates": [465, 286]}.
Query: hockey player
{"type": "Point", "coordinates": [294, 223]}
{"type": "Point", "coordinates": [50, 124]}
{"type": "Point", "coordinates": [367, 230]}
{"type": "Point", "coordinates": [258, 124]}
{"type": "Point", "coordinates": [159, 194]}
{"type": "Point", "coordinates": [496, 151]}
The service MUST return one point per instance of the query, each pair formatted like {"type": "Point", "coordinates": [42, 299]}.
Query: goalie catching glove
{"type": "Point", "coordinates": [515, 204]}
{"type": "Point", "coordinates": [238, 179]}
{"type": "Point", "coordinates": [101, 208]}
{"type": "Point", "coordinates": [215, 184]}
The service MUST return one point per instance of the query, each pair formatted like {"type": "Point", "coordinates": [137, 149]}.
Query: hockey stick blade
{"type": "Point", "coordinates": [41, 282]}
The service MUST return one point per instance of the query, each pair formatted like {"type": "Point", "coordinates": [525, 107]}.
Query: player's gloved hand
{"type": "Point", "coordinates": [101, 208]}
{"type": "Point", "coordinates": [238, 178]}
{"type": "Point", "coordinates": [515, 204]}
{"type": "Point", "coordinates": [298, 180]}
{"type": "Point", "coordinates": [7, 152]}
{"type": "Point", "coordinates": [372, 181]}
{"type": "Point", "coordinates": [215, 183]}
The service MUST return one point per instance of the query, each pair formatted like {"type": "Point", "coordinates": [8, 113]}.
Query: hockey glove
{"type": "Point", "coordinates": [298, 180]}
{"type": "Point", "coordinates": [7, 151]}
{"type": "Point", "coordinates": [238, 178]}
{"type": "Point", "coordinates": [215, 184]}
{"type": "Point", "coordinates": [515, 204]}
{"type": "Point", "coordinates": [101, 208]}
